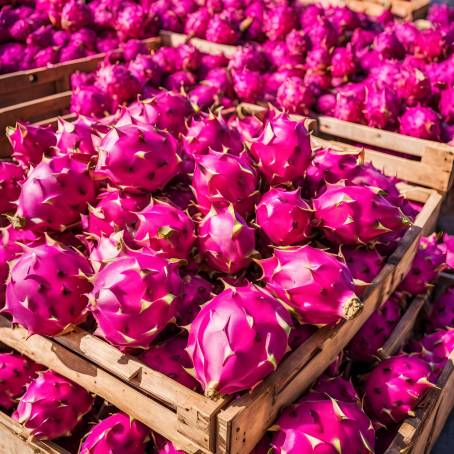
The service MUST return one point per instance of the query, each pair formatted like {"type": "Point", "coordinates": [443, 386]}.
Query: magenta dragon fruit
{"type": "Point", "coordinates": [297, 42]}
{"type": "Point", "coordinates": [117, 432]}
{"type": "Point", "coordinates": [284, 217]}
{"type": "Point", "coordinates": [117, 82]}
{"type": "Point", "coordinates": [278, 21]}
{"type": "Point", "coordinates": [15, 373]}
{"type": "Point", "coordinates": [446, 105]}
{"type": "Point", "coordinates": [442, 311]}
{"type": "Point", "coordinates": [10, 177]}
{"type": "Point", "coordinates": [349, 107]}
{"type": "Point", "coordinates": [54, 194]}
{"type": "Point", "coordinates": [166, 229]}
{"type": "Point", "coordinates": [52, 406]}
{"type": "Point", "coordinates": [180, 81]}
{"type": "Point", "coordinates": [343, 63]}
{"type": "Point", "coordinates": [90, 101]}
{"type": "Point", "coordinates": [226, 241]}
{"type": "Point", "coordinates": [75, 15]}
{"type": "Point", "coordinates": [283, 150]}
{"type": "Point", "coordinates": [134, 297]}
{"type": "Point", "coordinates": [430, 44]}
{"type": "Point", "coordinates": [356, 214]}
{"type": "Point", "coordinates": [77, 137]}
{"type": "Point", "coordinates": [320, 423]}
{"type": "Point", "coordinates": [412, 86]}
{"type": "Point", "coordinates": [336, 387]}
{"type": "Point", "coordinates": [222, 31]}
{"type": "Point", "coordinates": [132, 21]}
{"type": "Point", "coordinates": [138, 158]}
{"type": "Point", "coordinates": [46, 289]}
{"type": "Point", "coordinates": [388, 46]}
{"type": "Point", "coordinates": [145, 69]}
{"type": "Point", "coordinates": [196, 291]}
{"type": "Point", "coordinates": [171, 359]}
{"type": "Point", "coordinates": [295, 97]}
{"type": "Point", "coordinates": [428, 262]}
{"type": "Point", "coordinates": [239, 328]}
{"type": "Point", "coordinates": [316, 284]}
{"type": "Point", "coordinates": [381, 107]}
{"type": "Point", "coordinates": [376, 330]}
{"type": "Point", "coordinates": [222, 178]}
{"type": "Point", "coordinates": [248, 85]}
{"type": "Point", "coordinates": [394, 388]}
{"type": "Point", "coordinates": [30, 143]}
{"type": "Point", "coordinates": [197, 23]}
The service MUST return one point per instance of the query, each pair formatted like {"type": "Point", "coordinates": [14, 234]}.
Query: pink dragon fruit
{"type": "Point", "coordinates": [318, 81]}
{"type": "Point", "coordinates": [387, 44]}
{"type": "Point", "coordinates": [375, 332]}
{"type": "Point", "coordinates": [46, 289]}
{"type": "Point", "coordinates": [117, 432]}
{"type": "Point", "coordinates": [250, 56]}
{"type": "Point", "coordinates": [145, 69]}
{"type": "Point", "coordinates": [10, 177]}
{"type": "Point", "coordinates": [30, 143]}
{"type": "Point", "coordinates": [180, 81]}
{"type": "Point", "coordinates": [211, 132]}
{"type": "Point", "coordinates": [132, 21]}
{"type": "Point", "coordinates": [190, 57]}
{"type": "Point", "coordinates": [381, 107]}
{"type": "Point", "coordinates": [297, 42]}
{"type": "Point", "coordinates": [283, 150]}
{"type": "Point", "coordinates": [356, 214]}
{"type": "Point", "coordinates": [171, 359]}
{"type": "Point", "coordinates": [197, 23]}
{"type": "Point", "coordinates": [196, 291]}
{"type": "Point", "coordinates": [343, 63]}
{"type": "Point", "coordinates": [54, 194]}
{"type": "Point", "coordinates": [52, 406]}
{"type": "Point", "coordinates": [222, 178]}
{"type": "Point", "coordinates": [446, 105]}
{"type": "Point", "coordinates": [117, 82]}
{"type": "Point", "coordinates": [166, 229]}
{"type": "Point", "coordinates": [15, 373]}
{"type": "Point", "coordinates": [239, 328]}
{"type": "Point", "coordinates": [164, 446]}
{"type": "Point", "coordinates": [248, 85]}
{"type": "Point", "coordinates": [220, 79]}
{"type": "Point", "coordinates": [77, 137]}
{"type": "Point", "coordinates": [349, 107]}
{"type": "Point", "coordinates": [299, 334]}
{"type": "Point", "coordinates": [295, 97]}
{"type": "Point", "coordinates": [336, 387]}
{"type": "Point", "coordinates": [278, 22]}
{"type": "Point", "coordinates": [447, 245]}
{"type": "Point", "coordinates": [313, 282]}
{"type": "Point", "coordinates": [442, 311]}
{"type": "Point", "coordinates": [138, 158]}
{"type": "Point", "coordinates": [132, 48]}
{"type": "Point", "coordinates": [134, 297]}
{"type": "Point", "coordinates": [428, 262]}
{"type": "Point", "coordinates": [284, 217]}
{"type": "Point", "coordinates": [412, 86]}
{"type": "Point", "coordinates": [394, 388]}
{"type": "Point", "coordinates": [203, 96]}
{"type": "Point", "coordinates": [90, 101]}
{"type": "Point", "coordinates": [75, 15]}
{"type": "Point", "coordinates": [221, 31]}
{"type": "Point", "coordinates": [322, 34]}
{"type": "Point", "coordinates": [320, 423]}
{"type": "Point", "coordinates": [226, 241]}
{"type": "Point", "coordinates": [249, 127]}
{"type": "Point", "coordinates": [430, 44]}
{"type": "Point", "coordinates": [318, 59]}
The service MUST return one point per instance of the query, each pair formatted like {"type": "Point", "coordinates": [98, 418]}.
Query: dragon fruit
{"type": "Point", "coordinates": [356, 214]}
{"type": "Point", "coordinates": [138, 158]}
{"type": "Point", "coordinates": [239, 328]}
{"type": "Point", "coordinates": [389, 47]}
{"type": "Point", "coordinates": [77, 137]}
{"type": "Point", "coordinates": [47, 300]}
{"type": "Point", "coordinates": [134, 297]}
{"type": "Point", "coordinates": [10, 177]}
{"type": "Point", "coordinates": [442, 311]}
{"type": "Point", "coordinates": [343, 63]}
{"type": "Point", "coordinates": [117, 432]}
{"type": "Point", "coordinates": [249, 127]}
{"type": "Point", "coordinates": [318, 59]}
{"type": "Point", "coordinates": [222, 178]}
{"type": "Point", "coordinates": [180, 81]}
{"type": "Point", "coordinates": [132, 48]}
{"type": "Point", "coordinates": [75, 15]}
{"type": "Point", "coordinates": [166, 229]}
{"type": "Point", "coordinates": [132, 22]}
{"type": "Point", "coordinates": [295, 97]}
{"type": "Point", "coordinates": [30, 143]}
{"type": "Point", "coordinates": [15, 373]}
{"type": "Point", "coordinates": [299, 334]}
{"type": "Point", "coordinates": [278, 22]}
{"type": "Point", "coordinates": [297, 42]}
{"type": "Point", "coordinates": [11, 57]}
{"type": "Point", "coordinates": [313, 282]}
{"type": "Point", "coordinates": [336, 387]}
{"type": "Point", "coordinates": [381, 107]}
{"type": "Point", "coordinates": [225, 240]}
{"type": "Point", "coordinates": [221, 31]}
{"type": "Point", "coordinates": [321, 423]}
{"type": "Point", "coordinates": [349, 107]}
{"type": "Point", "coordinates": [412, 86]}
{"type": "Point", "coordinates": [376, 330]}
{"type": "Point", "coordinates": [248, 85]}
{"type": "Point", "coordinates": [145, 69]}
{"type": "Point", "coordinates": [117, 82]}
{"type": "Point", "coordinates": [284, 217]}
{"type": "Point", "coordinates": [447, 245]}
{"type": "Point", "coordinates": [171, 359]}
{"type": "Point", "coordinates": [322, 34]}
{"type": "Point", "coordinates": [446, 105]}
{"type": "Point", "coordinates": [428, 262]}
{"type": "Point", "coordinates": [90, 101]}
{"type": "Point", "coordinates": [54, 194]}
{"type": "Point", "coordinates": [197, 23]}
{"type": "Point", "coordinates": [196, 291]}
{"type": "Point", "coordinates": [430, 44]}
{"type": "Point", "coordinates": [202, 97]}
{"type": "Point", "coordinates": [283, 150]}
{"type": "Point", "coordinates": [52, 406]}
{"type": "Point", "coordinates": [394, 388]}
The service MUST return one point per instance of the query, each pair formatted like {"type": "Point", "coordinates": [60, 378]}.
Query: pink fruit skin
{"type": "Point", "coordinates": [448, 246]}
{"type": "Point", "coordinates": [134, 297]}
{"type": "Point", "coordinates": [282, 151]}
{"type": "Point", "coordinates": [446, 105]}
{"type": "Point", "coordinates": [248, 85]}
{"type": "Point", "coordinates": [171, 359]}
{"type": "Point", "coordinates": [239, 328]}
{"type": "Point", "coordinates": [356, 214]}
{"type": "Point", "coordinates": [52, 406]}
{"type": "Point", "coordinates": [314, 425]}
{"type": "Point", "coordinates": [381, 108]}
{"type": "Point", "coordinates": [165, 229]}
{"type": "Point", "coordinates": [117, 82]}
{"type": "Point", "coordinates": [54, 194]}
{"type": "Point", "coordinates": [46, 289]}
{"type": "Point", "coordinates": [10, 177]}
{"type": "Point", "coordinates": [336, 387]}
{"type": "Point", "coordinates": [197, 23]}
{"type": "Point", "coordinates": [295, 97]}
{"type": "Point", "coordinates": [421, 122]}
{"type": "Point", "coordinates": [222, 178]}
{"type": "Point", "coordinates": [137, 158]}
{"type": "Point", "coordinates": [196, 291]}
{"type": "Point", "coordinates": [394, 388]}
{"type": "Point", "coordinates": [15, 373]}
{"type": "Point", "coordinates": [90, 101]}
{"type": "Point", "coordinates": [321, 294]}
{"type": "Point", "coordinates": [442, 311]}
{"type": "Point", "coordinates": [279, 21]}
{"type": "Point", "coordinates": [226, 241]}
{"type": "Point", "coordinates": [77, 137]}
{"type": "Point", "coordinates": [375, 332]}
{"type": "Point", "coordinates": [75, 15]}
{"type": "Point", "coordinates": [221, 31]}
{"type": "Point", "coordinates": [284, 217]}
{"type": "Point", "coordinates": [116, 433]}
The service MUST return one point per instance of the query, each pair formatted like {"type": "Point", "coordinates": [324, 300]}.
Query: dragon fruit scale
{"type": "Point", "coordinates": [283, 150]}
{"type": "Point", "coordinates": [10, 176]}
{"type": "Point", "coordinates": [442, 311]}
{"type": "Point", "coordinates": [134, 297]}
{"type": "Point", "coordinates": [394, 388]}
{"type": "Point", "coordinates": [237, 339]}
{"type": "Point", "coordinates": [46, 289]}
{"type": "Point", "coordinates": [116, 433]}
{"type": "Point", "coordinates": [77, 137]}
{"type": "Point", "coordinates": [284, 217]}
{"type": "Point", "coordinates": [356, 214]}
{"type": "Point", "coordinates": [52, 406]}
{"type": "Point", "coordinates": [421, 122]}
{"type": "Point", "coordinates": [226, 241]}
{"type": "Point", "coordinates": [15, 373]}
{"type": "Point", "coordinates": [138, 158]}
{"type": "Point", "coordinates": [315, 283]}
